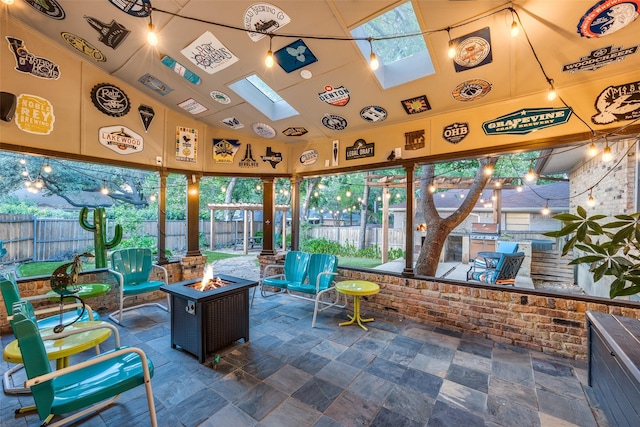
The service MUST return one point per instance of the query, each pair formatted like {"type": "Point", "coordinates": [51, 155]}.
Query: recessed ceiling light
{"type": "Point", "coordinates": [306, 74]}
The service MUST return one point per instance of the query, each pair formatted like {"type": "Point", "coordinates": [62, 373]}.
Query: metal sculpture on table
{"type": "Point", "coordinates": [63, 281]}
{"type": "Point", "coordinates": [99, 229]}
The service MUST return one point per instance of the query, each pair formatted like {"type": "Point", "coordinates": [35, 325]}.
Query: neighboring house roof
{"type": "Point", "coordinates": [532, 198]}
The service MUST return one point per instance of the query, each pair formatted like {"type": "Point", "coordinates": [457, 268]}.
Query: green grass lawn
{"type": "Point", "coordinates": [216, 256]}
{"type": "Point", "coordinates": [44, 268]}
{"type": "Point", "coordinates": [358, 262]}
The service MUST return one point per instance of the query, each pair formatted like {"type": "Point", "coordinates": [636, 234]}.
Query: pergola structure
{"type": "Point", "coordinates": [247, 221]}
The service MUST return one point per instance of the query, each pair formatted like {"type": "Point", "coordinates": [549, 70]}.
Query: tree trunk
{"type": "Point", "coordinates": [438, 228]}
{"type": "Point", "coordinates": [228, 198]}
{"type": "Point", "coordinates": [309, 185]}
{"type": "Point", "coordinates": [363, 216]}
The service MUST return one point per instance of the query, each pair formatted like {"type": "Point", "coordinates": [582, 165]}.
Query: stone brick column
{"type": "Point", "coordinates": [193, 267]}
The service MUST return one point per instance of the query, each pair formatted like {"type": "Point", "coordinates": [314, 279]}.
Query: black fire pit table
{"type": "Point", "coordinates": [205, 321]}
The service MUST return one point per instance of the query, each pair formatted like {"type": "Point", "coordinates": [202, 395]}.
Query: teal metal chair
{"type": "Point", "coordinates": [319, 284]}
{"type": "Point", "coordinates": [296, 264]}
{"type": "Point", "coordinates": [503, 248]}
{"type": "Point", "coordinates": [11, 295]}
{"type": "Point", "coordinates": [504, 273]}
{"type": "Point", "coordinates": [92, 384]}
{"type": "Point", "coordinates": [133, 267]}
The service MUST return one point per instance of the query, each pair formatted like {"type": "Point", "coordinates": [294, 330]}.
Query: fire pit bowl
{"type": "Point", "coordinates": [203, 321]}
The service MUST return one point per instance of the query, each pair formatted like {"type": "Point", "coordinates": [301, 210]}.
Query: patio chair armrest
{"type": "Point", "coordinates": [57, 310]}
{"type": "Point", "coordinates": [101, 358]}
{"type": "Point", "coordinates": [164, 272]}
{"type": "Point", "coordinates": [324, 273]}
{"type": "Point", "coordinates": [102, 325]}
{"type": "Point", "coordinates": [119, 276]}
{"type": "Point", "coordinates": [272, 266]}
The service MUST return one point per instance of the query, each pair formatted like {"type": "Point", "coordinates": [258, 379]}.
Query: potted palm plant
{"type": "Point", "coordinates": [610, 245]}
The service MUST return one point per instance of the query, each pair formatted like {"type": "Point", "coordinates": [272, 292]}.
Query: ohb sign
{"type": "Point", "coordinates": [455, 132]}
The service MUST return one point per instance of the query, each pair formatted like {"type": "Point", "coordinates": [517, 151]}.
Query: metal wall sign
{"type": "Point", "coordinates": [34, 114]}
{"type": "Point", "coordinates": [607, 17]}
{"type": "Point", "coordinates": [186, 144]}
{"type": "Point", "coordinates": [472, 50]}
{"type": "Point", "coordinates": [294, 56]}
{"type": "Point", "coordinates": [110, 99]}
{"type": "Point", "coordinates": [83, 46]}
{"type": "Point", "coordinates": [336, 96]}
{"type": "Point", "coordinates": [373, 113]}
{"type": "Point", "coordinates": [28, 63]}
{"type": "Point", "coordinates": [112, 34]}
{"type": "Point", "coordinates": [155, 84]}
{"type": "Point", "coordinates": [527, 120]}
{"type": "Point", "coordinates": [617, 103]}
{"type": "Point", "coordinates": [264, 18]}
{"type": "Point", "coordinates": [138, 8]}
{"type": "Point", "coordinates": [49, 8]}
{"type": "Point", "coordinates": [209, 54]}
{"type": "Point", "coordinates": [598, 58]}
{"type": "Point", "coordinates": [120, 139]}
{"type": "Point", "coordinates": [414, 140]}
{"type": "Point", "coordinates": [360, 149]}
{"type": "Point", "coordinates": [309, 157]}
{"type": "Point", "coordinates": [295, 131]}
{"type": "Point", "coordinates": [471, 90]}
{"type": "Point", "coordinates": [147, 114]}
{"type": "Point", "coordinates": [248, 161]}
{"type": "Point", "coordinates": [416, 105]}
{"type": "Point", "coordinates": [455, 132]}
{"type": "Point", "coordinates": [334, 122]}
{"type": "Point", "coordinates": [273, 157]}
{"type": "Point", "coordinates": [224, 150]}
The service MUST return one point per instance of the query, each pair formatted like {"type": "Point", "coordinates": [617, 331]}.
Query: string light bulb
{"type": "Point", "coordinates": [488, 170]}
{"type": "Point", "coordinates": [373, 59]}
{"type": "Point", "coordinates": [606, 153]}
{"type": "Point", "coordinates": [7, 2]}
{"type": "Point", "coordinates": [268, 61]}
{"type": "Point", "coordinates": [23, 161]}
{"type": "Point", "coordinates": [47, 168]}
{"type": "Point", "coordinates": [152, 37]}
{"type": "Point", "coordinates": [593, 150]}
{"type": "Point", "coordinates": [153, 197]}
{"type": "Point", "coordinates": [531, 175]}
{"type": "Point", "coordinates": [39, 184]}
{"type": "Point", "coordinates": [348, 193]}
{"type": "Point", "coordinates": [545, 210]}
{"type": "Point", "coordinates": [258, 187]}
{"type": "Point", "coordinates": [25, 173]}
{"type": "Point", "coordinates": [551, 94]}
{"type": "Point", "coordinates": [451, 52]}
{"type": "Point", "coordinates": [104, 189]}
{"type": "Point", "coordinates": [591, 201]}
{"type": "Point", "coordinates": [519, 188]}
{"type": "Point", "coordinates": [432, 188]}
{"type": "Point", "coordinates": [515, 30]}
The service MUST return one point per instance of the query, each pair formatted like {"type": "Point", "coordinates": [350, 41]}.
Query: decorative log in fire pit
{"type": "Point", "coordinates": [209, 314]}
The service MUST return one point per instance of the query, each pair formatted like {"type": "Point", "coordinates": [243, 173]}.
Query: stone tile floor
{"type": "Point", "coordinates": [399, 373]}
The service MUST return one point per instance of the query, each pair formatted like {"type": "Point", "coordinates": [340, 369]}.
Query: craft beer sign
{"type": "Point", "coordinates": [526, 121]}
{"type": "Point", "coordinates": [360, 149]}
{"type": "Point", "coordinates": [120, 139]}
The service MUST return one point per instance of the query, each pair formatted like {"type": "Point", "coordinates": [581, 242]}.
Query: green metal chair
{"type": "Point", "coordinates": [132, 267]}
{"type": "Point", "coordinates": [319, 285]}
{"type": "Point", "coordinates": [504, 272]}
{"type": "Point", "coordinates": [294, 272]}
{"type": "Point", "coordinates": [11, 295]}
{"type": "Point", "coordinates": [91, 384]}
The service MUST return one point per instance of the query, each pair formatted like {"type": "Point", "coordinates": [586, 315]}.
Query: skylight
{"type": "Point", "coordinates": [401, 59]}
{"type": "Point", "coordinates": [259, 94]}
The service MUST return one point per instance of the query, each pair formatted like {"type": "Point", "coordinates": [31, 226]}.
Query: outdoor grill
{"type": "Point", "coordinates": [483, 237]}
{"type": "Point", "coordinates": [208, 320]}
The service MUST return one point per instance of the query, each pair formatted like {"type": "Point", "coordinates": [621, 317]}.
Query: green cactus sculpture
{"type": "Point", "coordinates": [99, 229]}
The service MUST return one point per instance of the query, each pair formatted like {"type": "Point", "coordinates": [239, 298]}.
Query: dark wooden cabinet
{"type": "Point", "coordinates": [614, 366]}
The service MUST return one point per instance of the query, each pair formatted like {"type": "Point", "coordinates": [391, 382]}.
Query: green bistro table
{"type": "Point", "coordinates": [85, 290]}
{"type": "Point", "coordinates": [357, 288]}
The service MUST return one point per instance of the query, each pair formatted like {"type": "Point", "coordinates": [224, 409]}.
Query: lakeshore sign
{"type": "Point", "coordinates": [527, 120]}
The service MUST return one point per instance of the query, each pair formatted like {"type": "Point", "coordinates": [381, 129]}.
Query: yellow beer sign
{"type": "Point", "coordinates": [34, 114]}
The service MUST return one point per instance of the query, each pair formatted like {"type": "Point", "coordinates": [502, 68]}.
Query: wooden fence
{"type": "Point", "coordinates": [27, 238]}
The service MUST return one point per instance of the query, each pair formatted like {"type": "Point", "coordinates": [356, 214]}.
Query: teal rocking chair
{"type": "Point", "coordinates": [132, 267]}
{"type": "Point", "coordinates": [504, 273]}
{"type": "Point", "coordinates": [92, 384]}
{"type": "Point", "coordinates": [319, 285]}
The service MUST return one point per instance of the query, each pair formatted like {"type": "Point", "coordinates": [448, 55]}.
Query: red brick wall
{"type": "Point", "coordinates": [549, 323]}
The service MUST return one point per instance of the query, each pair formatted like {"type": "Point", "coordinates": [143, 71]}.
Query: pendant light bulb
{"type": "Point", "coordinates": [519, 188]}
{"type": "Point", "coordinates": [591, 201]}
{"type": "Point", "coordinates": [515, 30]}
{"type": "Point", "coordinates": [7, 2]}
{"type": "Point", "coordinates": [551, 94]}
{"type": "Point", "coordinates": [47, 168]}
{"type": "Point", "coordinates": [593, 150]}
{"type": "Point", "coordinates": [268, 61]}
{"type": "Point", "coordinates": [488, 170]}
{"type": "Point", "coordinates": [606, 154]}
{"type": "Point", "coordinates": [152, 37]}
{"type": "Point", "coordinates": [432, 188]}
{"type": "Point", "coordinates": [530, 176]}
{"type": "Point", "coordinates": [451, 52]}
{"type": "Point", "coordinates": [545, 210]}
{"type": "Point", "coordinates": [104, 189]}
{"type": "Point", "coordinates": [373, 59]}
